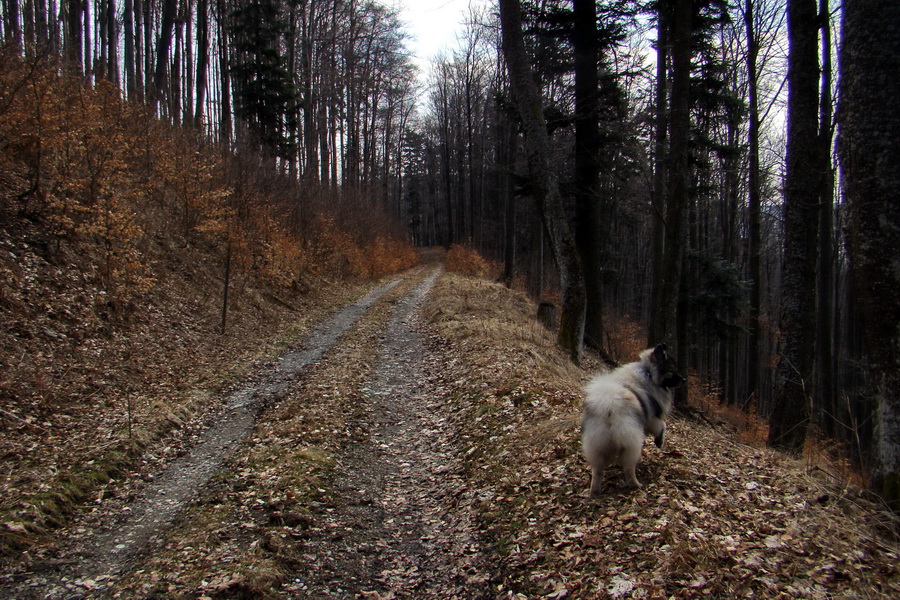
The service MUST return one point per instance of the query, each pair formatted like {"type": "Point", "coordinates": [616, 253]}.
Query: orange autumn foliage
{"type": "Point", "coordinates": [466, 261]}
{"type": "Point", "coordinates": [105, 173]}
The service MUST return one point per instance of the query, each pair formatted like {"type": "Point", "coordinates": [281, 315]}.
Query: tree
{"type": "Point", "coordinates": [754, 194]}
{"type": "Point", "coordinates": [790, 417]}
{"type": "Point", "coordinates": [129, 26]}
{"type": "Point", "coordinates": [263, 90]}
{"type": "Point", "coordinates": [589, 228]}
{"type": "Point", "coordinates": [869, 142]}
{"type": "Point", "coordinates": [825, 389]}
{"type": "Point", "coordinates": [161, 77]}
{"type": "Point", "coordinates": [663, 319]}
{"type": "Point", "coordinates": [545, 187]}
{"type": "Point", "coordinates": [660, 141]}
{"type": "Point", "coordinates": [202, 59]}
{"type": "Point", "coordinates": [73, 37]}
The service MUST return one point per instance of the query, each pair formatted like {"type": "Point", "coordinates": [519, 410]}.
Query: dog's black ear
{"type": "Point", "coordinates": [660, 353]}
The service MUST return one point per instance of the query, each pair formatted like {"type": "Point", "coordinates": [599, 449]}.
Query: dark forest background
{"type": "Point", "coordinates": [692, 144]}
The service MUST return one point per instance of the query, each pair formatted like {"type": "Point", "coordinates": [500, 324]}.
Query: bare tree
{"type": "Point", "coordinates": [543, 180]}
{"type": "Point", "coordinates": [202, 59]}
{"type": "Point", "coordinates": [664, 316]}
{"type": "Point", "coordinates": [589, 228]}
{"type": "Point", "coordinates": [164, 44]}
{"type": "Point", "coordinates": [790, 418]}
{"type": "Point", "coordinates": [869, 145]}
{"type": "Point", "coordinates": [825, 393]}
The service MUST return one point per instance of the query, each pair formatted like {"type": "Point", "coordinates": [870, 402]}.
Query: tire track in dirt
{"type": "Point", "coordinates": [399, 524]}
{"type": "Point", "coordinates": [87, 566]}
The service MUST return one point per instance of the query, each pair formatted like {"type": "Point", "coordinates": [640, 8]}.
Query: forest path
{"type": "Point", "coordinates": [95, 554]}
{"type": "Point", "coordinates": [398, 523]}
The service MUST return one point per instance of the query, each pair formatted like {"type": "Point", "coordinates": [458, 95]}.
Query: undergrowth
{"type": "Point", "coordinates": [467, 261]}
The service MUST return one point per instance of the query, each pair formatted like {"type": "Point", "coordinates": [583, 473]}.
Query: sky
{"type": "Point", "coordinates": [433, 26]}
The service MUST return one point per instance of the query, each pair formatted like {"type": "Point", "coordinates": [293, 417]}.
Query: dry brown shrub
{"type": "Point", "coordinates": [748, 427]}
{"type": "Point", "coordinates": [104, 173]}
{"type": "Point", "coordinates": [832, 457]}
{"type": "Point", "coordinates": [466, 261]}
{"type": "Point", "coordinates": [386, 255]}
{"type": "Point", "coordinates": [333, 252]}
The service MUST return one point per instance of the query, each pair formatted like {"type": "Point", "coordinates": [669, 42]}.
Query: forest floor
{"type": "Point", "coordinates": [429, 449]}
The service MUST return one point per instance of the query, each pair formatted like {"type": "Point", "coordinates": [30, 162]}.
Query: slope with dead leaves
{"type": "Point", "coordinates": [714, 519]}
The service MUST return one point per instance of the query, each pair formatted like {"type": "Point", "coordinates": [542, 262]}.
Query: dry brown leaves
{"type": "Point", "coordinates": [714, 518]}
{"type": "Point", "coordinates": [87, 385]}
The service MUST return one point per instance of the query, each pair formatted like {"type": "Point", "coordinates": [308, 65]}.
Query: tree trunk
{"type": "Point", "coordinates": [202, 60]}
{"type": "Point", "coordinates": [128, 24]}
{"type": "Point", "coordinates": [147, 19]}
{"type": "Point", "coordinates": [102, 25]}
{"type": "Point", "coordinates": [544, 185]}
{"type": "Point", "coordinates": [790, 416]}
{"type": "Point", "coordinates": [658, 209]}
{"type": "Point", "coordinates": [41, 26]}
{"type": "Point", "coordinates": [74, 9]}
{"type": "Point", "coordinates": [869, 147]}
{"type": "Point", "coordinates": [666, 303]}
{"type": "Point", "coordinates": [310, 101]}
{"type": "Point", "coordinates": [11, 24]}
{"type": "Point", "coordinates": [825, 392]}
{"type": "Point", "coordinates": [225, 123]}
{"type": "Point", "coordinates": [507, 143]}
{"type": "Point", "coordinates": [112, 42]}
{"type": "Point", "coordinates": [138, 13]}
{"type": "Point", "coordinates": [173, 95]}
{"type": "Point", "coordinates": [753, 206]}
{"type": "Point", "coordinates": [589, 227]}
{"type": "Point", "coordinates": [88, 48]}
{"type": "Point", "coordinates": [160, 80]}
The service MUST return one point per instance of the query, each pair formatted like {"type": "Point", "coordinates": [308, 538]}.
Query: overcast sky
{"type": "Point", "coordinates": [433, 25]}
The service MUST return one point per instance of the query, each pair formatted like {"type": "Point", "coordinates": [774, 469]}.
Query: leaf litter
{"type": "Point", "coordinates": [435, 454]}
{"type": "Point", "coordinates": [130, 527]}
{"type": "Point", "coordinates": [715, 518]}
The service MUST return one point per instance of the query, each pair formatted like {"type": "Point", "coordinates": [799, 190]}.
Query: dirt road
{"type": "Point", "coordinates": [396, 524]}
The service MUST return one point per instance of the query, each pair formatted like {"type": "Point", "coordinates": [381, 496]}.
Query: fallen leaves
{"type": "Point", "coordinates": [714, 519]}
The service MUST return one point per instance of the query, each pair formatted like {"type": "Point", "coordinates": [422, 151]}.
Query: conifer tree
{"type": "Point", "coordinates": [264, 94]}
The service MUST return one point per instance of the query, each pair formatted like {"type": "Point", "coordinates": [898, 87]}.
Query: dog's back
{"type": "Point", "coordinates": [612, 425]}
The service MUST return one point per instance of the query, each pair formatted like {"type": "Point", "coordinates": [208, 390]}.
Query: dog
{"type": "Point", "coordinates": [622, 407]}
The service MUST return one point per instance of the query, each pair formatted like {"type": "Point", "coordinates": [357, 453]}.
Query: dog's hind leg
{"type": "Point", "coordinates": [629, 458]}
{"type": "Point", "coordinates": [597, 477]}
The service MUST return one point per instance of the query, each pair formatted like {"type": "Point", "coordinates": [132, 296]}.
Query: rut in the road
{"type": "Point", "coordinates": [92, 562]}
{"type": "Point", "coordinates": [399, 526]}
